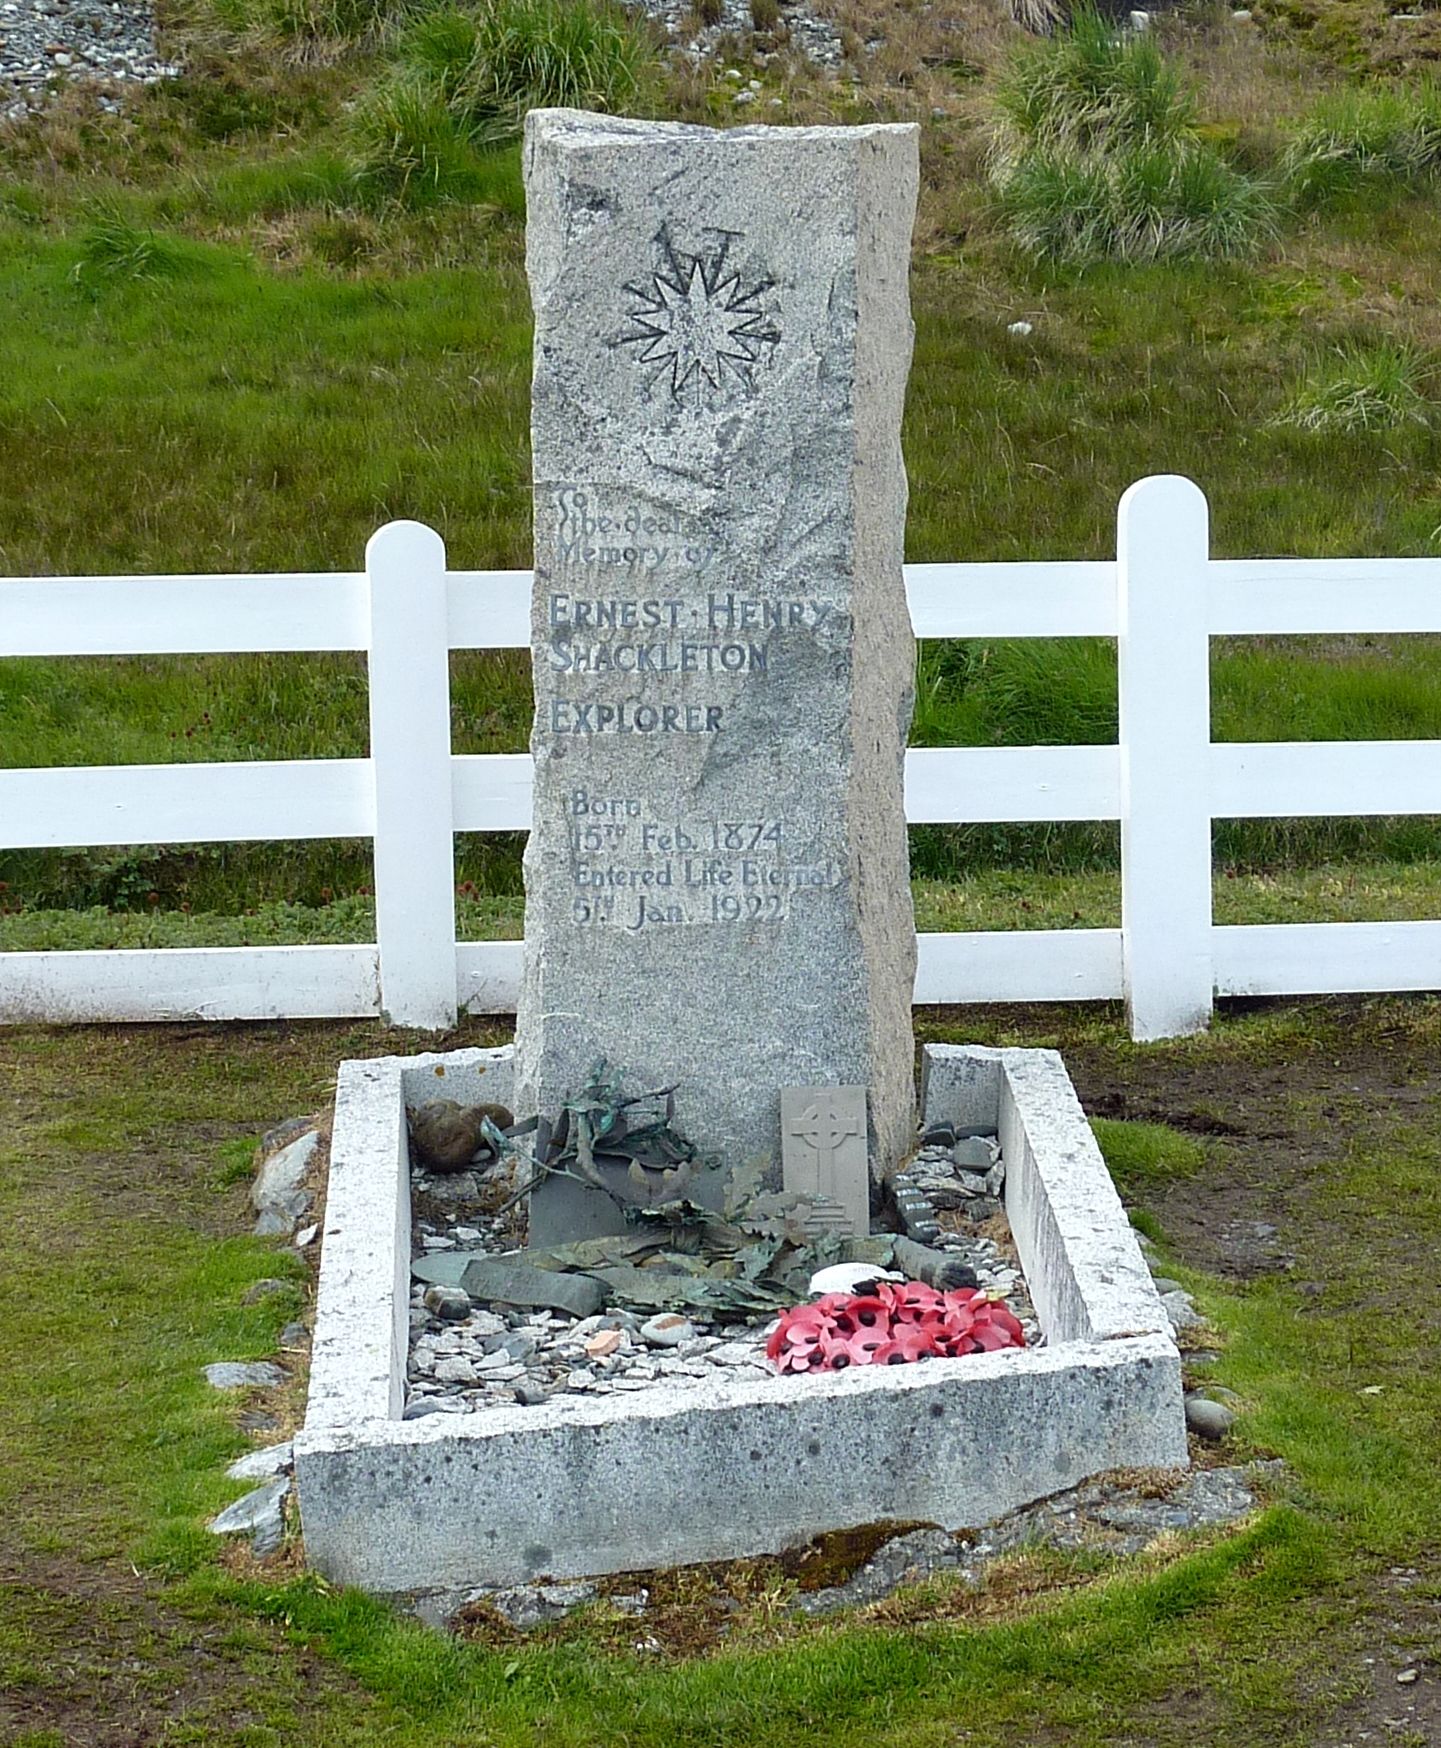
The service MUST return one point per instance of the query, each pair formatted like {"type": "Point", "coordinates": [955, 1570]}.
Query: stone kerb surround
{"type": "Point", "coordinates": [717, 892]}
{"type": "Point", "coordinates": [582, 1486]}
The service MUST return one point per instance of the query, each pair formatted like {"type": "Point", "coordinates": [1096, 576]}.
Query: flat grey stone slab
{"type": "Point", "coordinates": [256, 1511]}
{"type": "Point", "coordinates": [494, 1280]}
{"type": "Point", "coordinates": [445, 1267]}
{"type": "Point", "coordinates": [258, 1465]}
{"type": "Point", "coordinates": [243, 1374]}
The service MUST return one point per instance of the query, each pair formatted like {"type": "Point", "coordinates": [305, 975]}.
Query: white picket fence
{"type": "Point", "coordinates": [1162, 598]}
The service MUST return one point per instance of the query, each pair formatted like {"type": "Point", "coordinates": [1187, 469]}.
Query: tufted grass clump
{"type": "Point", "coordinates": [1361, 388]}
{"type": "Point", "coordinates": [114, 251]}
{"type": "Point", "coordinates": [464, 78]}
{"type": "Point", "coordinates": [1364, 131]}
{"type": "Point", "coordinates": [1097, 155]}
{"type": "Point", "coordinates": [1136, 203]}
{"type": "Point", "coordinates": [579, 54]}
{"type": "Point", "coordinates": [1092, 86]}
{"type": "Point", "coordinates": [412, 144]}
{"type": "Point", "coordinates": [301, 23]}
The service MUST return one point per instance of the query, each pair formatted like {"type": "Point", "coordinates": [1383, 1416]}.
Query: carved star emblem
{"type": "Point", "coordinates": [696, 326]}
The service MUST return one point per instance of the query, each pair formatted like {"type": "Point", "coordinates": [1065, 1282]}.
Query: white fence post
{"type": "Point", "coordinates": [1163, 649]}
{"type": "Point", "coordinates": [410, 754]}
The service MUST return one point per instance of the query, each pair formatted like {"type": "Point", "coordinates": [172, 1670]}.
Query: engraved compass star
{"type": "Point", "coordinates": [695, 325]}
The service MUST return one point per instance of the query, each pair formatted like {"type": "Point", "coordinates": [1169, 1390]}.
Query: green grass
{"type": "Point", "coordinates": [1361, 388]}
{"type": "Point", "coordinates": [226, 353]}
{"type": "Point", "coordinates": [1148, 202]}
{"type": "Point", "coordinates": [1143, 1156]}
{"type": "Point", "coordinates": [1092, 85]}
{"type": "Point", "coordinates": [113, 1446]}
{"type": "Point", "coordinates": [119, 413]}
{"type": "Point", "coordinates": [1098, 156]}
{"type": "Point", "coordinates": [984, 898]}
{"type": "Point", "coordinates": [462, 80]}
{"type": "Point", "coordinates": [1366, 131]}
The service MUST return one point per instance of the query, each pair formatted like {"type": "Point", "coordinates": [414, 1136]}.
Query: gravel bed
{"type": "Point", "coordinates": [495, 1356]}
{"type": "Point", "coordinates": [804, 32]}
{"type": "Point", "coordinates": [46, 44]}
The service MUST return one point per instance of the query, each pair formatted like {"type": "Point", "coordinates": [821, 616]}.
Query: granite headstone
{"type": "Point", "coordinates": [717, 893]}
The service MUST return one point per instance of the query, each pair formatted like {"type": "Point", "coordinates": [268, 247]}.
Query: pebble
{"type": "Point", "coordinates": [1182, 1313]}
{"type": "Point", "coordinates": [667, 1330]}
{"type": "Point", "coordinates": [259, 1290]}
{"type": "Point", "coordinates": [450, 1304]}
{"type": "Point", "coordinates": [419, 1406]}
{"type": "Point", "coordinates": [454, 1369]}
{"type": "Point", "coordinates": [1207, 1419]}
{"type": "Point", "coordinates": [279, 1195]}
{"type": "Point", "coordinates": [45, 44]}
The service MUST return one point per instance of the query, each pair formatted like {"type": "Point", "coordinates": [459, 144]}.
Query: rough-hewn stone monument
{"type": "Point", "coordinates": [716, 880]}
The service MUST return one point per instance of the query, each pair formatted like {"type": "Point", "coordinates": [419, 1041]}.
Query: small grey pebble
{"type": "Point", "coordinates": [450, 1304]}
{"type": "Point", "coordinates": [420, 1406]}
{"type": "Point", "coordinates": [531, 1395]}
{"type": "Point", "coordinates": [244, 1375]}
{"type": "Point", "coordinates": [1207, 1419]}
{"type": "Point", "coordinates": [519, 1344]}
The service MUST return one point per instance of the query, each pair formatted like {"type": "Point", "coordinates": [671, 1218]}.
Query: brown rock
{"type": "Point", "coordinates": [447, 1135]}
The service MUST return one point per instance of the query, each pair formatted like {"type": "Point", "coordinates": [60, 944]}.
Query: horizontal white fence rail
{"type": "Point", "coordinates": [1162, 599]}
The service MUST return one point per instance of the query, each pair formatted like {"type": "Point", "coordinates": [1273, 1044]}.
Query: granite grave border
{"type": "Point", "coordinates": [582, 1486]}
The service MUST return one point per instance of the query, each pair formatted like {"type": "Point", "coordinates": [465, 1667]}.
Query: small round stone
{"type": "Point", "coordinates": [669, 1329]}
{"type": "Point", "coordinates": [1207, 1419]}
{"type": "Point", "coordinates": [450, 1304]}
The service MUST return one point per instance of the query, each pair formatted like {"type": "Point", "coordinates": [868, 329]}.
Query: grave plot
{"type": "Point", "coordinates": [718, 929]}
{"type": "Point", "coordinates": [736, 1462]}
{"type": "Point", "coordinates": [633, 1323]}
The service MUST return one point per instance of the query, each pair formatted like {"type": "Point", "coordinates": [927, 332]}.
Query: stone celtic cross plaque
{"type": "Point", "coordinates": [717, 893]}
{"type": "Point", "coordinates": [823, 1149]}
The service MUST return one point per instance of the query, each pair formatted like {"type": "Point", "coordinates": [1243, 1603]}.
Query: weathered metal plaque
{"type": "Point", "coordinates": [823, 1149]}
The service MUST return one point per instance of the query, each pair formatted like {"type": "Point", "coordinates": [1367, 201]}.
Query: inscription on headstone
{"type": "Point", "coordinates": [823, 1149]}
{"type": "Point", "coordinates": [717, 892]}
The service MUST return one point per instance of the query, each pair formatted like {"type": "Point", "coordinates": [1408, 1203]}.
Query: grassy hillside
{"type": "Point", "coordinates": [282, 299]}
